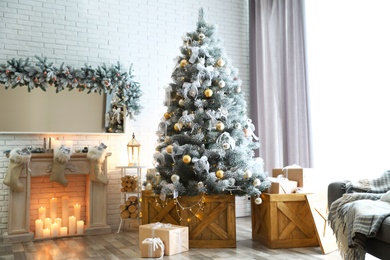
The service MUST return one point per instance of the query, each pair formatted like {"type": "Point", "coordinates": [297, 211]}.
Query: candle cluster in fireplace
{"type": "Point", "coordinates": [50, 224]}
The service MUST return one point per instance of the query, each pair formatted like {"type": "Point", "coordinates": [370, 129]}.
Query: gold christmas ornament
{"type": "Point", "coordinates": [220, 126]}
{"type": "Point", "coordinates": [186, 158]}
{"type": "Point", "coordinates": [181, 102]}
{"type": "Point", "coordinates": [220, 62]}
{"type": "Point", "coordinates": [167, 115]}
{"type": "Point", "coordinates": [178, 126]}
{"type": "Point", "coordinates": [208, 92]}
{"type": "Point", "coordinates": [219, 174]}
{"type": "Point", "coordinates": [169, 149]}
{"type": "Point", "coordinates": [183, 63]}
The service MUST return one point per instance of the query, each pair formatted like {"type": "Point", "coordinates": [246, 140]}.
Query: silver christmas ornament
{"type": "Point", "coordinates": [175, 178]}
{"type": "Point", "coordinates": [258, 201]}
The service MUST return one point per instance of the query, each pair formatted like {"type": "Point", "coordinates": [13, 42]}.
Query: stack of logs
{"type": "Point", "coordinates": [129, 183]}
{"type": "Point", "coordinates": [130, 208]}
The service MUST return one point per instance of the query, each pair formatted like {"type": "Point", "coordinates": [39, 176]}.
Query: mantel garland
{"type": "Point", "coordinates": [101, 80]}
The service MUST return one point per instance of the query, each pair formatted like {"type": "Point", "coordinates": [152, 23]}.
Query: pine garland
{"type": "Point", "coordinates": [103, 79]}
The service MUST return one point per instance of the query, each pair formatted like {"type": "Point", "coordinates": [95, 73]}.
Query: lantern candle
{"type": "Point", "coordinates": [63, 231]}
{"type": "Point", "coordinates": [46, 232]}
{"type": "Point", "coordinates": [54, 229]}
{"type": "Point", "coordinates": [38, 228]}
{"type": "Point", "coordinates": [53, 208]}
{"type": "Point", "coordinates": [48, 223]}
{"type": "Point", "coordinates": [65, 213]}
{"type": "Point", "coordinates": [72, 225]}
{"type": "Point", "coordinates": [80, 226]}
{"type": "Point", "coordinates": [42, 213]}
{"type": "Point", "coordinates": [77, 211]}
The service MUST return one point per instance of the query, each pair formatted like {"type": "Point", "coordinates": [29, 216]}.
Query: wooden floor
{"type": "Point", "coordinates": [125, 246]}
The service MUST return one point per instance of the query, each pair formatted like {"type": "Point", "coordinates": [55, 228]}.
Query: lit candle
{"type": "Point", "coordinates": [65, 214]}
{"type": "Point", "coordinates": [38, 228]}
{"type": "Point", "coordinates": [63, 231]}
{"type": "Point", "coordinates": [59, 222]}
{"type": "Point", "coordinates": [72, 225]}
{"type": "Point", "coordinates": [46, 232]}
{"type": "Point", "coordinates": [48, 223]}
{"type": "Point", "coordinates": [54, 229]}
{"type": "Point", "coordinates": [80, 227]}
{"type": "Point", "coordinates": [77, 211]}
{"type": "Point", "coordinates": [42, 213]}
{"type": "Point", "coordinates": [53, 208]}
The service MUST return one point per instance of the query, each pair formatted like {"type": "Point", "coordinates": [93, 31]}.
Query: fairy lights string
{"type": "Point", "coordinates": [180, 208]}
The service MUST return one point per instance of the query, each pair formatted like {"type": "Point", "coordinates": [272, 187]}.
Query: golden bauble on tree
{"type": "Point", "coordinates": [183, 63]}
{"type": "Point", "coordinates": [208, 92]}
{"type": "Point", "coordinates": [178, 126]}
{"type": "Point", "coordinates": [219, 174]}
{"type": "Point", "coordinates": [220, 62]}
{"type": "Point", "coordinates": [169, 149]}
{"type": "Point", "coordinates": [186, 158]}
{"type": "Point", "coordinates": [167, 115]}
{"type": "Point", "coordinates": [220, 126]}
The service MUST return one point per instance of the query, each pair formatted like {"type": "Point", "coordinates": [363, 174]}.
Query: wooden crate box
{"type": "Point", "coordinates": [212, 227]}
{"type": "Point", "coordinates": [283, 221]}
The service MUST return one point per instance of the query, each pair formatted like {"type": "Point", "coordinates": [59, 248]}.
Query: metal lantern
{"type": "Point", "coordinates": [133, 149]}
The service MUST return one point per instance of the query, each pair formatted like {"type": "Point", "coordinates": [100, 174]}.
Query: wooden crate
{"type": "Point", "coordinates": [212, 227]}
{"type": "Point", "coordinates": [283, 221]}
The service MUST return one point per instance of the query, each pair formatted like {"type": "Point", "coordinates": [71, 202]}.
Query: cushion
{"type": "Point", "coordinates": [386, 196]}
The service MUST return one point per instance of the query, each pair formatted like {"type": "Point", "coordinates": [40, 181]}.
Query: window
{"type": "Point", "coordinates": [348, 55]}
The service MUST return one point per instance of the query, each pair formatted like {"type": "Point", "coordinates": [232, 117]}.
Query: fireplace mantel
{"type": "Point", "coordinates": [40, 165]}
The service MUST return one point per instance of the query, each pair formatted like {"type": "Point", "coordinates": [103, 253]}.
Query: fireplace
{"type": "Point", "coordinates": [91, 195]}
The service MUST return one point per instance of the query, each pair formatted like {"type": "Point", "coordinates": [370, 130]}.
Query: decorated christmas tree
{"type": "Point", "coordinates": [206, 141]}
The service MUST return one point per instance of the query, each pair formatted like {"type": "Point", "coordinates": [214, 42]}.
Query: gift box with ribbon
{"type": "Point", "coordinates": [174, 237]}
{"type": "Point", "coordinates": [152, 247]}
{"type": "Point", "coordinates": [305, 177]}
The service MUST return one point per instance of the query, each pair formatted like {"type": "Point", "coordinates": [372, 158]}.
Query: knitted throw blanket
{"type": "Point", "coordinates": [357, 216]}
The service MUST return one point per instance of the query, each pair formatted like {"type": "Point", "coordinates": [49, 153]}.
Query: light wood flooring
{"type": "Point", "coordinates": [124, 245]}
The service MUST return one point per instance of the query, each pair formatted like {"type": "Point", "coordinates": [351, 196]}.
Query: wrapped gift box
{"type": "Point", "coordinates": [152, 247]}
{"type": "Point", "coordinates": [175, 237]}
{"type": "Point", "coordinates": [304, 176]}
{"type": "Point", "coordinates": [282, 186]}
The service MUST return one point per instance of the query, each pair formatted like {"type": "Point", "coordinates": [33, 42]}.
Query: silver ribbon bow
{"type": "Point", "coordinates": [201, 164]}
{"type": "Point", "coordinates": [156, 243]}
{"type": "Point", "coordinates": [226, 136]}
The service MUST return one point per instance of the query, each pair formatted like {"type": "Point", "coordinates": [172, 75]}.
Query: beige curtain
{"type": "Point", "coordinates": [279, 98]}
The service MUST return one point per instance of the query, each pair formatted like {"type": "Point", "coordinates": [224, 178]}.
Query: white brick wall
{"type": "Point", "coordinates": [146, 33]}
